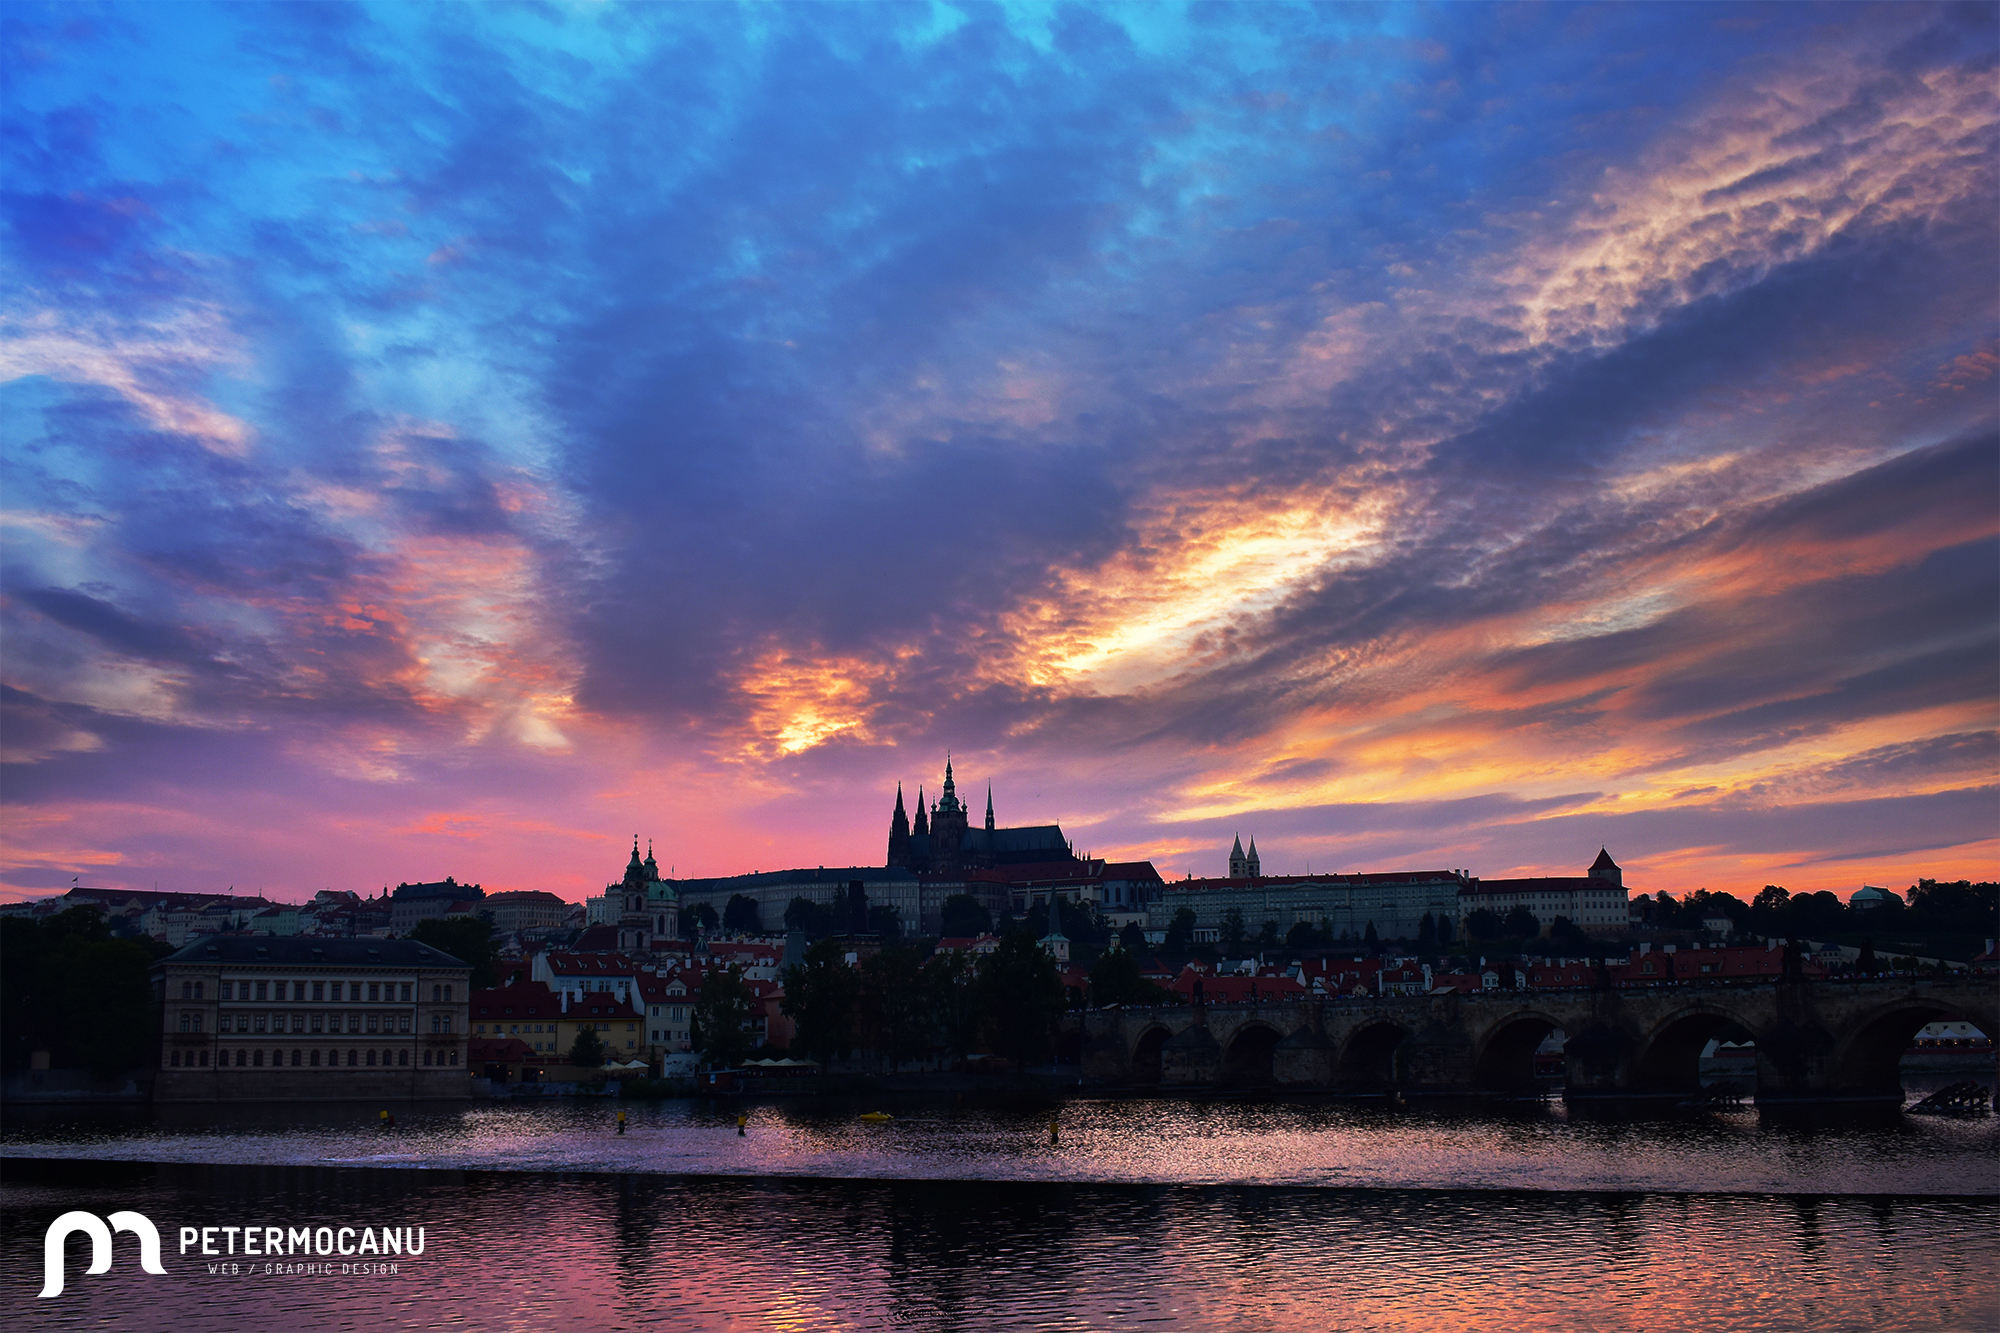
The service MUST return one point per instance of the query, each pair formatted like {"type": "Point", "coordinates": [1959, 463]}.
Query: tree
{"type": "Point", "coordinates": [1022, 996]}
{"type": "Point", "coordinates": [1768, 909]}
{"type": "Point", "coordinates": [1180, 933]}
{"type": "Point", "coordinates": [469, 939]}
{"type": "Point", "coordinates": [1956, 907]}
{"type": "Point", "coordinates": [587, 1051]}
{"type": "Point", "coordinates": [1484, 924]}
{"type": "Point", "coordinates": [1444, 930]}
{"type": "Point", "coordinates": [1080, 924]}
{"type": "Point", "coordinates": [1565, 931]}
{"type": "Point", "coordinates": [1427, 932]}
{"type": "Point", "coordinates": [808, 917]}
{"type": "Point", "coordinates": [721, 1010]}
{"type": "Point", "coordinates": [742, 916]}
{"type": "Point", "coordinates": [1369, 937]}
{"type": "Point", "coordinates": [821, 996]}
{"type": "Point", "coordinates": [950, 984]}
{"type": "Point", "coordinates": [1520, 923]}
{"type": "Point", "coordinates": [1115, 979]}
{"type": "Point", "coordinates": [1232, 933]}
{"type": "Point", "coordinates": [1815, 914]}
{"type": "Point", "coordinates": [1132, 938]}
{"type": "Point", "coordinates": [894, 1008]}
{"type": "Point", "coordinates": [885, 920]}
{"type": "Point", "coordinates": [698, 919]}
{"type": "Point", "coordinates": [68, 988]}
{"type": "Point", "coordinates": [965, 917]}
{"type": "Point", "coordinates": [1305, 935]}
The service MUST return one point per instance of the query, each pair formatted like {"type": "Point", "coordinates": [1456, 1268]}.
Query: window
{"type": "Point", "coordinates": [295, 1058]}
{"type": "Point", "coordinates": [447, 993]}
{"type": "Point", "coordinates": [263, 989]}
{"type": "Point", "coordinates": [319, 993]}
{"type": "Point", "coordinates": [315, 1058]}
{"type": "Point", "coordinates": [319, 1022]}
{"type": "Point", "coordinates": [197, 990]}
{"type": "Point", "coordinates": [353, 992]}
{"type": "Point", "coordinates": [371, 1059]}
{"type": "Point", "coordinates": [454, 1057]}
{"type": "Point", "coordinates": [197, 1022]}
{"type": "Point", "coordinates": [354, 1022]}
{"type": "Point", "coordinates": [185, 1021]}
{"type": "Point", "coordinates": [406, 992]}
{"type": "Point", "coordinates": [187, 990]}
{"type": "Point", "coordinates": [242, 1058]}
{"type": "Point", "coordinates": [374, 1022]}
{"type": "Point", "coordinates": [403, 1056]}
{"type": "Point", "coordinates": [204, 1059]}
{"type": "Point", "coordinates": [403, 1023]}
{"type": "Point", "coordinates": [298, 1022]}
{"type": "Point", "coordinates": [427, 1057]}
{"type": "Point", "coordinates": [176, 1060]}
{"type": "Point", "coordinates": [227, 987]}
{"type": "Point", "coordinates": [437, 994]}
{"type": "Point", "coordinates": [258, 1023]}
{"type": "Point", "coordinates": [374, 990]}
{"type": "Point", "coordinates": [257, 1058]}
{"type": "Point", "coordinates": [353, 1059]}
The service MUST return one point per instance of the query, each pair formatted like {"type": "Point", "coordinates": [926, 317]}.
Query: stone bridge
{"type": "Point", "coordinates": [1815, 1040]}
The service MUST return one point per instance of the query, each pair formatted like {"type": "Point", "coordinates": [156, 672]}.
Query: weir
{"type": "Point", "coordinates": [1815, 1040]}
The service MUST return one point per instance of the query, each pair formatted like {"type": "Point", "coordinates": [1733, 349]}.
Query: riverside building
{"type": "Point", "coordinates": [255, 1018]}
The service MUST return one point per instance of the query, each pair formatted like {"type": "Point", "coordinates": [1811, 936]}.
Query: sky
{"type": "Point", "coordinates": [453, 440]}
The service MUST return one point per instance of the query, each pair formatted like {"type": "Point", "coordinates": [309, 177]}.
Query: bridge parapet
{"type": "Point", "coordinates": [1814, 1040]}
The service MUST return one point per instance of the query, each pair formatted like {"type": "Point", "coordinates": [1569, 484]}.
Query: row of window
{"type": "Point", "coordinates": [375, 1024]}
{"type": "Point", "coordinates": [302, 1059]}
{"type": "Point", "coordinates": [373, 992]}
{"type": "Point", "coordinates": [514, 1029]}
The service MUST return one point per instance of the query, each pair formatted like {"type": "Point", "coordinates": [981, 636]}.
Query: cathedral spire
{"type": "Point", "coordinates": [923, 828]}
{"type": "Point", "coordinates": [989, 807]}
{"type": "Point", "coordinates": [899, 833]}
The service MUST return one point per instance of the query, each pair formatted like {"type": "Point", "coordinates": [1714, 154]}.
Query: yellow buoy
{"type": "Point", "coordinates": [877, 1117]}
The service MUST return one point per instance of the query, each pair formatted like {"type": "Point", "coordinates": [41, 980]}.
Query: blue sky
{"type": "Point", "coordinates": [447, 439]}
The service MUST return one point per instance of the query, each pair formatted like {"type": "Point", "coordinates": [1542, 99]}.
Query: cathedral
{"type": "Point", "coordinates": [648, 909]}
{"type": "Point", "coordinates": [944, 841]}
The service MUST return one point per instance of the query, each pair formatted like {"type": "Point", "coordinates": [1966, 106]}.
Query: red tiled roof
{"type": "Point", "coordinates": [524, 998]}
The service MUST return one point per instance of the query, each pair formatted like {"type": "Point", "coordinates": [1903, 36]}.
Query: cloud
{"type": "Point", "coordinates": [1433, 433]}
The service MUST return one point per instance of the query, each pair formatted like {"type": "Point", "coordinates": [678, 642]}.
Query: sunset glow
{"type": "Point", "coordinates": [454, 439]}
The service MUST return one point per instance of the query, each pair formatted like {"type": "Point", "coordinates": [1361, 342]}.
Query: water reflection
{"type": "Point", "coordinates": [537, 1251]}
{"type": "Point", "coordinates": [1102, 1141]}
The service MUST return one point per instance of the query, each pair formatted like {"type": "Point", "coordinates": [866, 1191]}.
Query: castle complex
{"type": "Point", "coordinates": [944, 841]}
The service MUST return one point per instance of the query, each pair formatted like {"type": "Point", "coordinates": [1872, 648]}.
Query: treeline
{"type": "Point", "coordinates": [69, 987]}
{"type": "Point", "coordinates": [905, 1002]}
{"type": "Point", "coordinates": [1932, 910]}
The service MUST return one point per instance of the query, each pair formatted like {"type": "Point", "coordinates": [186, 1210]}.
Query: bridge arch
{"type": "Point", "coordinates": [1145, 1063]}
{"type": "Point", "coordinates": [1246, 1061]}
{"type": "Point", "coordinates": [1504, 1060]}
{"type": "Point", "coordinates": [1370, 1059]}
{"type": "Point", "coordinates": [1669, 1057]}
{"type": "Point", "coordinates": [1867, 1057]}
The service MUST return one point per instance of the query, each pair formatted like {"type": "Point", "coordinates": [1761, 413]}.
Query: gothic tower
{"type": "Point", "coordinates": [948, 825]}
{"type": "Point", "coordinates": [899, 834]}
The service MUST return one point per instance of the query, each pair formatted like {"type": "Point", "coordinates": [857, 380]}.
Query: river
{"type": "Point", "coordinates": [962, 1214]}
